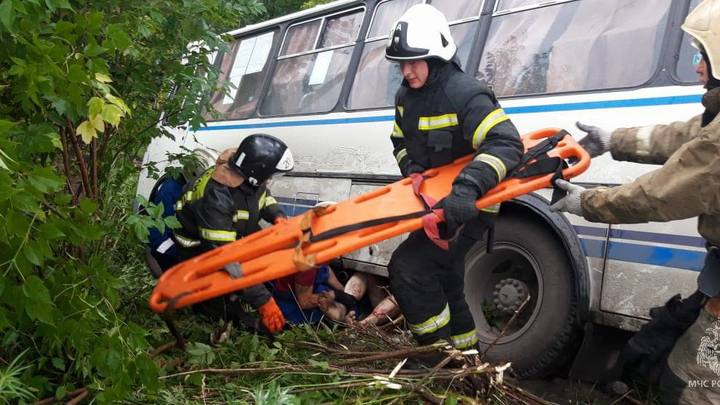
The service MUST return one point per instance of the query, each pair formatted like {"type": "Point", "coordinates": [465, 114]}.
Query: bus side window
{"type": "Point", "coordinates": [688, 57]}
{"type": "Point", "coordinates": [311, 69]}
{"type": "Point", "coordinates": [458, 9]}
{"type": "Point", "coordinates": [243, 68]}
{"type": "Point", "coordinates": [377, 80]}
{"type": "Point", "coordinates": [574, 46]}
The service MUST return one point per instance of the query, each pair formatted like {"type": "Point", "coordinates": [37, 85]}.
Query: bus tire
{"type": "Point", "coordinates": [527, 262]}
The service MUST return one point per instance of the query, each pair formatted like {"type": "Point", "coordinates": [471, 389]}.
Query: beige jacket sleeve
{"type": "Point", "coordinates": [652, 144]}
{"type": "Point", "coordinates": [687, 185]}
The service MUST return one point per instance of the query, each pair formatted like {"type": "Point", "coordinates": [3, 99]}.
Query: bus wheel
{"type": "Point", "coordinates": [528, 273]}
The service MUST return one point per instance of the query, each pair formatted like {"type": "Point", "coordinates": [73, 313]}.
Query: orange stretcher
{"type": "Point", "coordinates": [324, 233]}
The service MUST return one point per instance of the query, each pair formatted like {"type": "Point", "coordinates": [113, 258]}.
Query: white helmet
{"type": "Point", "coordinates": [421, 33]}
{"type": "Point", "coordinates": [703, 23]}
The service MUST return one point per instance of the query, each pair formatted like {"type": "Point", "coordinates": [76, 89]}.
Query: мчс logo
{"type": "Point", "coordinates": [708, 353]}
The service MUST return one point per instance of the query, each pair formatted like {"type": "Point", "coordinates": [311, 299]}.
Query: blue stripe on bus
{"type": "Point", "coordinates": [595, 105]}
{"type": "Point", "coordinates": [336, 121]}
{"type": "Point", "coordinates": [694, 241]}
{"type": "Point", "coordinates": [589, 105]}
{"type": "Point", "coordinates": [642, 254]}
{"type": "Point", "coordinates": [682, 240]}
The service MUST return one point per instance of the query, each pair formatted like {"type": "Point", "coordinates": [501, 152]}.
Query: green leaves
{"type": "Point", "coordinates": [38, 306]}
{"type": "Point", "coordinates": [66, 242]}
{"type": "Point", "coordinates": [7, 14]}
{"type": "Point", "coordinates": [117, 38]}
{"type": "Point", "coordinates": [201, 354]}
{"type": "Point", "coordinates": [45, 180]}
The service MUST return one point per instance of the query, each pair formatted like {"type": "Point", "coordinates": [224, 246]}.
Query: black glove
{"type": "Point", "coordinates": [459, 208]}
{"type": "Point", "coordinates": [411, 167]}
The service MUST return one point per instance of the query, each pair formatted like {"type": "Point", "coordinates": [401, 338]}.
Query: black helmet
{"type": "Point", "coordinates": [260, 156]}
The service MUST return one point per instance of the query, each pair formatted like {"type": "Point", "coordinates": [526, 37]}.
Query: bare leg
{"type": "Point", "coordinates": [387, 308]}
{"type": "Point", "coordinates": [357, 285]}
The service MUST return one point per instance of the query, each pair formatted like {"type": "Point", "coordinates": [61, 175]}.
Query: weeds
{"type": "Point", "coordinates": [12, 389]}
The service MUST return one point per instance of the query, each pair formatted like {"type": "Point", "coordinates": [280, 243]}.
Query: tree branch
{"type": "Point", "coordinates": [66, 159]}
{"type": "Point", "coordinates": [94, 163]}
{"type": "Point", "coordinates": [81, 163]}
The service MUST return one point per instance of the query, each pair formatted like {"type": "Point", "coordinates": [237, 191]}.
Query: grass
{"type": "Point", "coordinates": [12, 390]}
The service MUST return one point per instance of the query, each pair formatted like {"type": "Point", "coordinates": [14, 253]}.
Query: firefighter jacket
{"type": "Point", "coordinates": [212, 214]}
{"type": "Point", "coordinates": [454, 115]}
{"type": "Point", "coordinates": [687, 185]}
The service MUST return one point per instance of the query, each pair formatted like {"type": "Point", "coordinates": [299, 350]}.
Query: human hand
{"type": "Point", "coordinates": [459, 207]}
{"type": "Point", "coordinates": [572, 202]}
{"type": "Point", "coordinates": [597, 140]}
{"type": "Point", "coordinates": [271, 316]}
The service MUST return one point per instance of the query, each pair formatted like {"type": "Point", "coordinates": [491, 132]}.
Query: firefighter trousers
{"type": "Point", "coordinates": [428, 283]}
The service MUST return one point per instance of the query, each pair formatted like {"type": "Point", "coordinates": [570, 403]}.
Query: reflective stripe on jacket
{"type": "Point", "coordinates": [686, 186]}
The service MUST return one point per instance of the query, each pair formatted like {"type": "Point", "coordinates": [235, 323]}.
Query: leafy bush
{"type": "Point", "coordinates": [83, 87]}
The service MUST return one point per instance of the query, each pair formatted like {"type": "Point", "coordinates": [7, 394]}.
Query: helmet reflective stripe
{"type": "Point", "coordinates": [239, 160]}
{"type": "Point", "coordinates": [286, 162]}
{"type": "Point", "coordinates": [421, 33]}
{"type": "Point", "coordinates": [703, 24]}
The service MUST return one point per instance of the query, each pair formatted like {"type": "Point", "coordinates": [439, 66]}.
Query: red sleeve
{"type": "Point", "coordinates": [305, 278]}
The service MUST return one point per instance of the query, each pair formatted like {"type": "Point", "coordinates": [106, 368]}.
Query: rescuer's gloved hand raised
{"type": "Point", "coordinates": [459, 207]}
{"type": "Point", "coordinates": [271, 316]}
{"type": "Point", "coordinates": [572, 201]}
{"type": "Point", "coordinates": [597, 140]}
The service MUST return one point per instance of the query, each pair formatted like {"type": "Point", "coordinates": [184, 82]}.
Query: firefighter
{"type": "Point", "coordinates": [226, 203]}
{"type": "Point", "coordinates": [685, 186]}
{"type": "Point", "coordinates": [441, 114]}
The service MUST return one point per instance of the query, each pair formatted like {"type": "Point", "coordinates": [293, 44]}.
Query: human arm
{"type": "Point", "coordinates": [397, 137]}
{"type": "Point", "coordinates": [498, 149]}
{"type": "Point", "coordinates": [684, 187]}
{"type": "Point", "coordinates": [270, 209]}
{"type": "Point", "coordinates": [650, 144]}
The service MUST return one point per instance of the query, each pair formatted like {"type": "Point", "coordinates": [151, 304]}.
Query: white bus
{"type": "Point", "coordinates": [318, 79]}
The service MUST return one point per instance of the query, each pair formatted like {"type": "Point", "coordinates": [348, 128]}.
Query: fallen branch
{"type": "Point", "coordinates": [338, 351]}
{"type": "Point", "coordinates": [395, 354]}
{"type": "Point", "coordinates": [75, 397]}
{"type": "Point", "coordinates": [222, 371]}
{"type": "Point", "coordinates": [79, 397]}
{"type": "Point", "coordinates": [506, 327]}
{"type": "Point", "coordinates": [162, 349]}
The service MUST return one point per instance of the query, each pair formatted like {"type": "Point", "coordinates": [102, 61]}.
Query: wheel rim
{"type": "Point", "coordinates": [496, 285]}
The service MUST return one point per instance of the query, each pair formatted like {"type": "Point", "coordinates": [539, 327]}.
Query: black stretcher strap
{"type": "Point", "coordinates": [365, 224]}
